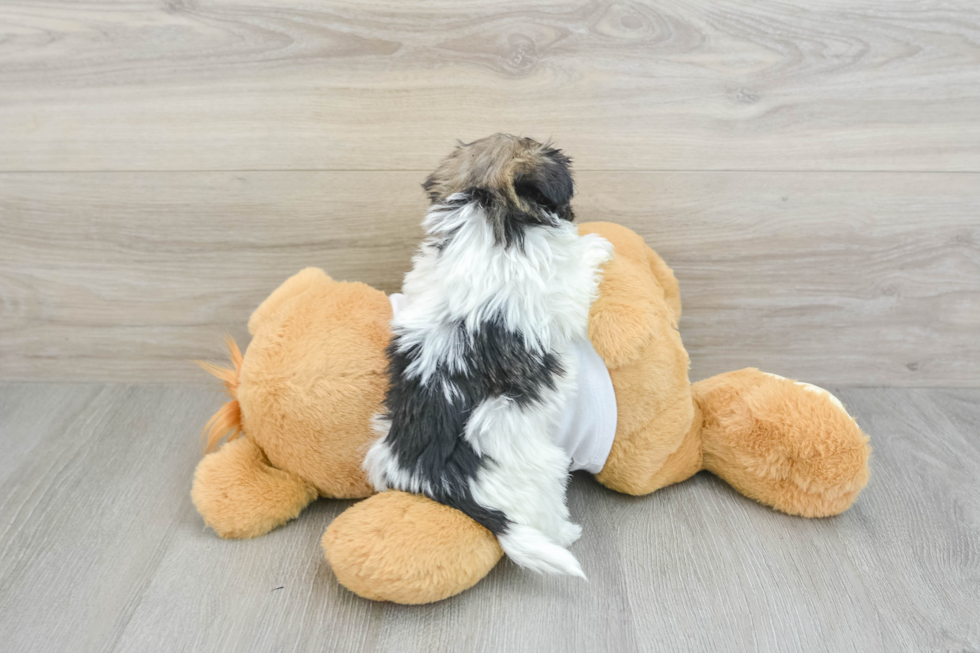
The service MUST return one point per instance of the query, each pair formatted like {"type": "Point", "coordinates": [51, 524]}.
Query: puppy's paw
{"type": "Point", "coordinates": [598, 250]}
{"type": "Point", "coordinates": [569, 534]}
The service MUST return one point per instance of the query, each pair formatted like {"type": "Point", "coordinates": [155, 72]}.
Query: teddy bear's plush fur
{"type": "Point", "coordinates": [314, 375]}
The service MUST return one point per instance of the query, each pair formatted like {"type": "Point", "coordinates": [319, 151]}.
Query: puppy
{"type": "Point", "coordinates": [480, 360]}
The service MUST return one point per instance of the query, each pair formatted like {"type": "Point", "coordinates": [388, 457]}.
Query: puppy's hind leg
{"type": "Point", "coordinates": [524, 478]}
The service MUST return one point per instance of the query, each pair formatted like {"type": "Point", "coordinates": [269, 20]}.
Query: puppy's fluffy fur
{"type": "Point", "coordinates": [480, 360]}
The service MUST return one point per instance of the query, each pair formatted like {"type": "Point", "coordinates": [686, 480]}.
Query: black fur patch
{"type": "Point", "coordinates": [428, 185]}
{"type": "Point", "coordinates": [508, 222]}
{"type": "Point", "coordinates": [549, 185]}
{"type": "Point", "coordinates": [426, 434]}
{"type": "Point", "coordinates": [547, 189]}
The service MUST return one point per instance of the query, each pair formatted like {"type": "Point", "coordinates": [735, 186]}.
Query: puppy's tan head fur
{"type": "Point", "coordinates": [516, 178]}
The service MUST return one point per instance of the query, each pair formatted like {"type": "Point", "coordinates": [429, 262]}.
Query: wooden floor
{"type": "Point", "coordinates": [102, 550]}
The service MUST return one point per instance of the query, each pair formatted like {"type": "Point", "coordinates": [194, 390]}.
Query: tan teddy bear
{"type": "Point", "coordinates": [314, 375]}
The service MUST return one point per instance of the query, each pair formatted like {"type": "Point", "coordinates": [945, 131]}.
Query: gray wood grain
{"type": "Point", "coordinates": [28, 412]}
{"type": "Point", "coordinates": [868, 278]}
{"type": "Point", "coordinates": [87, 515]}
{"type": "Point", "coordinates": [101, 550]}
{"type": "Point", "coordinates": [232, 85]}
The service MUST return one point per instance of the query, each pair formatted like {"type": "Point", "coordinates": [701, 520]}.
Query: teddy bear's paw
{"type": "Point", "coordinates": [240, 495]}
{"type": "Point", "coordinates": [789, 445]}
{"type": "Point", "coordinates": [408, 549]}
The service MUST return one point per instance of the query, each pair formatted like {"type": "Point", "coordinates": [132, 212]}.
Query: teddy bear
{"type": "Point", "coordinates": [314, 375]}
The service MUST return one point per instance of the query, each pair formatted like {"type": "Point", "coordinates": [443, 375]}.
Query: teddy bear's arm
{"type": "Point", "coordinates": [668, 282]}
{"type": "Point", "coordinates": [240, 495]}
{"type": "Point", "coordinates": [638, 292]}
{"type": "Point", "coordinates": [622, 318]}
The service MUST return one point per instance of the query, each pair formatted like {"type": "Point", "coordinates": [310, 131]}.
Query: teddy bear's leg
{"type": "Point", "coordinates": [240, 495]}
{"type": "Point", "coordinates": [408, 549]}
{"type": "Point", "coordinates": [785, 444]}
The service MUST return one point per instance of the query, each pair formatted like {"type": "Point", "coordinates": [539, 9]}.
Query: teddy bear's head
{"type": "Point", "coordinates": [313, 378]}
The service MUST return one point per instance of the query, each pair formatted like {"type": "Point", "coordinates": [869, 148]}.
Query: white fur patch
{"type": "Point", "coordinates": [544, 292]}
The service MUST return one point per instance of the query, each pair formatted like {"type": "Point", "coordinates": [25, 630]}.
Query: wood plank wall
{"type": "Point", "coordinates": [810, 169]}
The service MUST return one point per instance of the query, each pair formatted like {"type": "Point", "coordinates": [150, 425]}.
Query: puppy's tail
{"type": "Point", "coordinates": [228, 419]}
{"type": "Point", "coordinates": [531, 549]}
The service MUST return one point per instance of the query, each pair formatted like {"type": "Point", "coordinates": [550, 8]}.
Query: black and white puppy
{"type": "Point", "coordinates": [480, 360]}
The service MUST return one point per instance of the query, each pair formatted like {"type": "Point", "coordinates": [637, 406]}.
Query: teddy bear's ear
{"type": "Point", "coordinates": [549, 182]}
{"type": "Point", "coordinates": [291, 288]}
